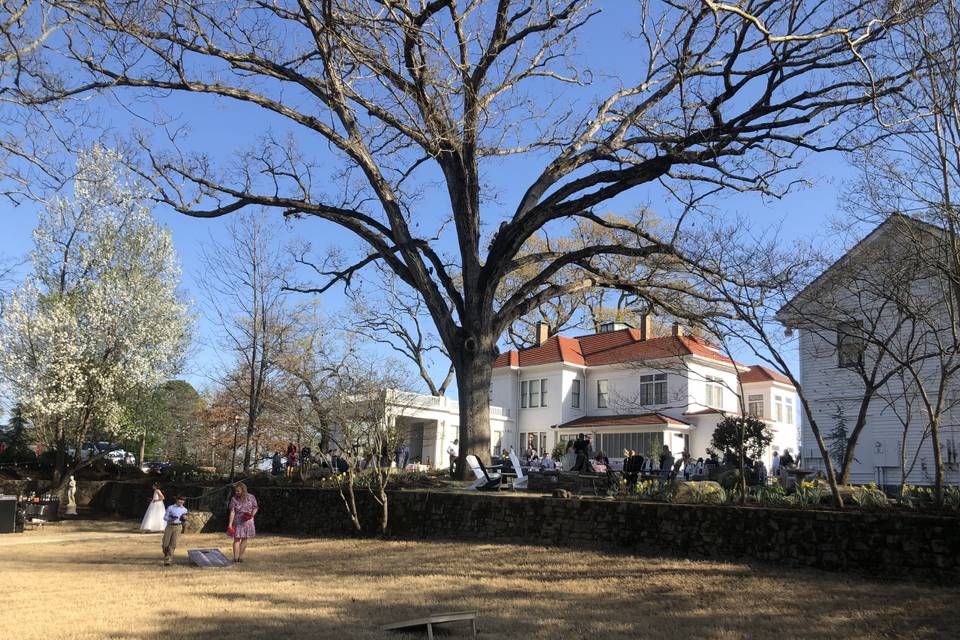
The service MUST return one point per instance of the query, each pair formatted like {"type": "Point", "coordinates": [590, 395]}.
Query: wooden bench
{"type": "Point", "coordinates": [432, 619]}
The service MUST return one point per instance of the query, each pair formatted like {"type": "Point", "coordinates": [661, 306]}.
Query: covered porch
{"type": "Point", "coordinates": [645, 433]}
{"type": "Point", "coordinates": [429, 424]}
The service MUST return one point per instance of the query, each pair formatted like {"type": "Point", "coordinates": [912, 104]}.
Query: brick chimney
{"type": "Point", "coordinates": [543, 332]}
{"type": "Point", "coordinates": [646, 326]}
{"type": "Point", "coordinates": [677, 329]}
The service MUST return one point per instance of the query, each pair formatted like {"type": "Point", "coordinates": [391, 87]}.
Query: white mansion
{"type": "Point", "coordinates": [630, 389]}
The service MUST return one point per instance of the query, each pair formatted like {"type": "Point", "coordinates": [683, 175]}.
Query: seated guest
{"type": "Point", "coordinates": [598, 466]}
{"type": "Point", "coordinates": [548, 464]}
{"type": "Point", "coordinates": [602, 459]}
{"type": "Point", "coordinates": [506, 464]}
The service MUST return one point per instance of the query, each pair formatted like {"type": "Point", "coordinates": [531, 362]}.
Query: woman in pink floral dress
{"type": "Point", "coordinates": [243, 507]}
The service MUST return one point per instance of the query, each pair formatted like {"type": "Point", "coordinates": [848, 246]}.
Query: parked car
{"type": "Point", "coordinates": [119, 456]}
{"type": "Point", "coordinates": [154, 467]}
{"type": "Point", "coordinates": [87, 451]}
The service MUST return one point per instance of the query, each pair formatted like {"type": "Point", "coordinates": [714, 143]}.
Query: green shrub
{"type": "Point", "coordinates": [951, 498]}
{"type": "Point", "coordinates": [869, 497]}
{"type": "Point", "coordinates": [559, 450]}
{"type": "Point", "coordinates": [807, 494]}
{"type": "Point", "coordinates": [649, 490]}
{"type": "Point", "coordinates": [768, 495]}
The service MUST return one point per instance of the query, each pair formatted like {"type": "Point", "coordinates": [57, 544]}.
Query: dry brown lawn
{"type": "Point", "coordinates": [98, 580]}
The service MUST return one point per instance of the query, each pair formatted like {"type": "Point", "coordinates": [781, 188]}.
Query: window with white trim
{"type": "Point", "coordinates": [714, 393]}
{"type": "Point", "coordinates": [602, 387]}
{"type": "Point", "coordinates": [778, 408]}
{"type": "Point", "coordinates": [575, 394]}
{"type": "Point", "coordinates": [755, 405]}
{"type": "Point", "coordinates": [850, 345]}
{"type": "Point", "coordinates": [653, 389]}
{"type": "Point", "coordinates": [533, 393]}
{"type": "Point", "coordinates": [788, 410]}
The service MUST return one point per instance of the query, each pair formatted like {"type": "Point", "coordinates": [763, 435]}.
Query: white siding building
{"type": "Point", "coordinates": [852, 327]}
{"type": "Point", "coordinates": [630, 389]}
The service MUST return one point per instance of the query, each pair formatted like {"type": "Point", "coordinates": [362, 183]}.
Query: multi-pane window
{"type": "Point", "coordinates": [602, 386]}
{"type": "Point", "coordinates": [788, 410]}
{"type": "Point", "coordinates": [575, 394]}
{"type": "Point", "coordinates": [778, 408]}
{"type": "Point", "coordinates": [613, 444]}
{"type": "Point", "coordinates": [755, 405]}
{"type": "Point", "coordinates": [715, 393]}
{"type": "Point", "coordinates": [533, 393]}
{"type": "Point", "coordinates": [653, 389]}
{"type": "Point", "coordinates": [850, 345]}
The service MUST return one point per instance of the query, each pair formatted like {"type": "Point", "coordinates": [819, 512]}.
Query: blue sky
{"type": "Point", "coordinates": [220, 128]}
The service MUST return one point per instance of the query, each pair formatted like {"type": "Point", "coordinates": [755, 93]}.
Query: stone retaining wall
{"type": "Point", "coordinates": [891, 544]}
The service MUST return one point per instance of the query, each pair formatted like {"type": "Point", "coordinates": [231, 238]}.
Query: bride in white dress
{"type": "Point", "coordinates": [153, 518]}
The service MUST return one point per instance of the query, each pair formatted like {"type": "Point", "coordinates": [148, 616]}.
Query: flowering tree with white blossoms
{"type": "Point", "coordinates": [99, 315]}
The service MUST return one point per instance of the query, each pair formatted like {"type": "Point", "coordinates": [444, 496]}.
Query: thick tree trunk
{"type": "Point", "coordinates": [60, 465]}
{"type": "Point", "coordinates": [851, 446]}
{"type": "Point", "coordinates": [474, 366]}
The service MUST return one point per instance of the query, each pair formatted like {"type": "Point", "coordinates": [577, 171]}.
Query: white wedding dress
{"type": "Point", "coordinates": [153, 518]}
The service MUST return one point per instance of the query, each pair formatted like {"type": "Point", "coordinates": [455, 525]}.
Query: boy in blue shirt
{"type": "Point", "coordinates": [174, 516]}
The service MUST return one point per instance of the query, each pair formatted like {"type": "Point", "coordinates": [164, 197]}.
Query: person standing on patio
{"type": "Point", "coordinates": [402, 455]}
{"type": "Point", "coordinates": [666, 464]}
{"type": "Point", "coordinates": [632, 467]}
{"type": "Point", "coordinates": [580, 450]}
{"type": "Point", "coordinates": [453, 451]}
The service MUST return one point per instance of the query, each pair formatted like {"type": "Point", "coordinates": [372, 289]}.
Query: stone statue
{"type": "Point", "coordinates": [71, 497]}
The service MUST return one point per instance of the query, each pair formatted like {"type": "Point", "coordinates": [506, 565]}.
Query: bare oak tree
{"type": "Point", "coordinates": [386, 311]}
{"type": "Point", "coordinates": [410, 95]}
{"type": "Point", "coordinates": [243, 284]}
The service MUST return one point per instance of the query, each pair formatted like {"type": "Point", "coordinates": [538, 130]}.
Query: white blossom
{"type": "Point", "coordinates": [100, 313]}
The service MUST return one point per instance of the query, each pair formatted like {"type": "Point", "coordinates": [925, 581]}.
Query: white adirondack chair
{"type": "Point", "coordinates": [520, 482]}
{"type": "Point", "coordinates": [486, 481]}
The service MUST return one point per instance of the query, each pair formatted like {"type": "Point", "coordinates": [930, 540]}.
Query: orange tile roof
{"type": "Point", "coordinates": [760, 373]}
{"type": "Point", "coordinates": [623, 420]}
{"type": "Point", "coordinates": [612, 347]}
